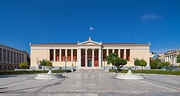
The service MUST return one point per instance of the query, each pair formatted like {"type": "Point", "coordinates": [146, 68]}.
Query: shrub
{"type": "Point", "coordinates": [24, 65]}
{"type": "Point", "coordinates": [43, 62]}
{"type": "Point", "coordinates": [48, 63]}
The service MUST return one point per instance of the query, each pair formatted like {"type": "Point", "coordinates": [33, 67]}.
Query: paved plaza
{"type": "Point", "coordinates": [89, 83]}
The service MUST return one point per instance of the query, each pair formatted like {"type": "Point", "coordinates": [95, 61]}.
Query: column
{"type": "Point", "coordinates": [59, 54]}
{"type": "Point", "coordinates": [113, 50]}
{"type": "Point", "coordinates": [93, 57]}
{"type": "Point", "coordinates": [100, 56]}
{"type": "Point", "coordinates": [65, 54]}
{"type": "Point", "coordinates": [125, 54]}
{"type": "Point", "coordinates": [79, 57]}
{"type": "Point", "coordinates": [119, 53]}
{"type": "Point", "coordinates": [54, 55]}
{"type": "Point", "coordinates": [86, 57]}
{"type": "Point", "coordinates": [71, 54]}
{"type": "Point", "coordinates": [174, 59]}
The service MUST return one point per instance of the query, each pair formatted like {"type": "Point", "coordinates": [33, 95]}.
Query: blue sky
{"type": "Point", "coordinates": [135, 21]}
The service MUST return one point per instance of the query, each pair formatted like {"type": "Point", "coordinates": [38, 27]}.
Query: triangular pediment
{"type": "Point", "coordinates": [89, 42]}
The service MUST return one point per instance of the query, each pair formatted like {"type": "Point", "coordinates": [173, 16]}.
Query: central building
{"type": "Point", "coordinates": [87, 54]}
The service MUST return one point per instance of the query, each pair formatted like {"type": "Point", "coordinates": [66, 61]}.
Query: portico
{"type": "Point", "coordinates": [90, 53]}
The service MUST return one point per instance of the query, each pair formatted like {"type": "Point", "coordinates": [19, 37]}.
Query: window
{"type": "Point", "coordinates": [110, 51]}
{"type": "Point", "coordinates": [57, 54]}
{"type": "Point", "coordinates": [116, 51]}
{"type": "Point", "coordinates": [11, 57]}
{"type": "Point", "coordinates": [14, 57]}
{"type": "Point", "coordinates": [4, 55]}
{"type": "Point", "coordinates": [63, 55]}
{"type": "Point", "coordinates": [23, 57]}
{"type": "Point", "coordinates": [74, 54]}
{"type": "Point", "coordinates": [68, 54]}
{"type": "Point", "coordinates": [104, 54]}
{"type": "Point", "coordinates": [51, 55]}
{"type": "Point", "coordinates": [122, 53]}
{"type": "Point", "coordinates": [7, 56]}
{"type": "Point", "coordinates": [0, 54]}
{"type": "Point", "coordinates": [128, 54]}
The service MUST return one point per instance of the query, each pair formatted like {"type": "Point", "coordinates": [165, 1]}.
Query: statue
{"type": "Point", "coordinates": [37, 63]}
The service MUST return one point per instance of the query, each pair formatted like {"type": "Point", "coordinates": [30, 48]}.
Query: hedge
{"type": "Point", "coordinates": [150, 72]}
{"type": "Point", "coordinates": [11, 72]}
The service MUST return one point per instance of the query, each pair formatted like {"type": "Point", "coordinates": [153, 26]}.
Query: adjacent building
{"type": "Point", "coordinates": [87, 54]}
{"type": "Point", "coordinates": [171, 56]}
{"type": "Point", "coordinates": [10, 57]}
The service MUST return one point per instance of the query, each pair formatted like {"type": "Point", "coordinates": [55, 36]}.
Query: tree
{"type": "Point", "coordinates": [24, 65]}
{"type": "Point", "coordinates": [178, 58]}
{"type": "Point", "coordinates": [165, 64]}
{"type": "Point", "coordinates": [111, 58]}
{"type": "Point", "coordinates": [115, 60]}
{"type": "Point", "coordinates": [143, 63]}
{"type": "Point", "coordinates": [137, 62]}
{"type": "Point", "coordinates": [48, 63]}
{"type": "Point", "coordinates": [155, 64]}
{"type": "Point", "coordinates": [43, 62]}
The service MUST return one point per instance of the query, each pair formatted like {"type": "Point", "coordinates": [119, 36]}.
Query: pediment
{"type": "Point", "coordinates": [89, 42]}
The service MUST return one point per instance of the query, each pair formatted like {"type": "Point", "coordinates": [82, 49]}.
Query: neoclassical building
{"type": "Point", "coordinates": [171, 57]}
{"type": "Point", "coordinates": [10, 57]}
{"type": "Point", "coordinates": [87, 54]}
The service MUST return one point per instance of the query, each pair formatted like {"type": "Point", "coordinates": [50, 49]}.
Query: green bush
{"type": "Point", "coordinates": [11, 72]}
{"type": "Point", "coordinates": [24, 65]}
{"type": "Point", "coordinates": [150, 72]}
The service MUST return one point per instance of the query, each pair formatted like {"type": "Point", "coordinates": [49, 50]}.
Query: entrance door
{"type": "Point", "coordinates": [89, 63]}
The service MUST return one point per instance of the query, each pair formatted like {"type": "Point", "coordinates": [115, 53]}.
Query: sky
{"type": "Point", "coordinates": [68, 21]}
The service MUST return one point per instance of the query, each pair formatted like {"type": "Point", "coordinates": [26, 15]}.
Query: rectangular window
{"type": "Point", "coordinates": [18, 58]}
{"type": "Point", "coordinates": [4, 55]}
{"type": "Point", "coordinates": [110, 51]}
{"type": "Point", "coordinates": [0, 54]}
{"type": "Point", "coordinates": [128, 54]}
{"type": "Point", "coordinates": [11, 57]}
{"type": "Point", "coordinates": [68, 54]}
{"type": "Point", "coordinates": [14, 57]}
{"type": "Point", "coordinates": [7, 56]}
{"type": "Point", "coordinates": [57, 54]}
{"type": "Point", "coordinates": [122, 53]}
{"type": "Point", "coordinates": [74, 54]}
{"type": "Point", "coordinates": [116, 51]}
{"type": "Point", "coordinates": [51, 55]}
{"type": "Point", "coordinates": [104, 54]}
{"type": "Point", "coordinates": [23, 57]}
{"type": "Point", "coordinates": [63, 55]}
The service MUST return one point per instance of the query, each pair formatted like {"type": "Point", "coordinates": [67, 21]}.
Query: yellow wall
{"type": "Point", "coordinates": [40, 54]}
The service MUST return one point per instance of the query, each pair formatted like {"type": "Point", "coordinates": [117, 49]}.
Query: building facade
{"type": "Point", "coordinates": [171, 57]}
{"type": "Point", "coordinates": [88, 54]}
{"type": "Point", "coordinates": [10, 57]}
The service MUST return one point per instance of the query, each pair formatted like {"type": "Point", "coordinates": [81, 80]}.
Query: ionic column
{"type": "Point", "coordinates": [60, 54]}
{"type": "Point", "coordinates": [71, 54]}
{"type": "Point", "coordinates": [113, 50]}
{"type": "Point", "coordinates": [79, 57]}
{"type": "Point", "coordinates": [119, 53]}
{"type": "Point", "coordinates": [86, 57]}
{"type": "Point", "coordinates": [100, 57]}
{"type": "Point", "coordinates": [124, 53]}
{"type": "Point", "coordinates": [54, 55]}
{"type": "Point", "coordinates": [65, 54]}
{"type": "Point", "coordinates": [93, 57]}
